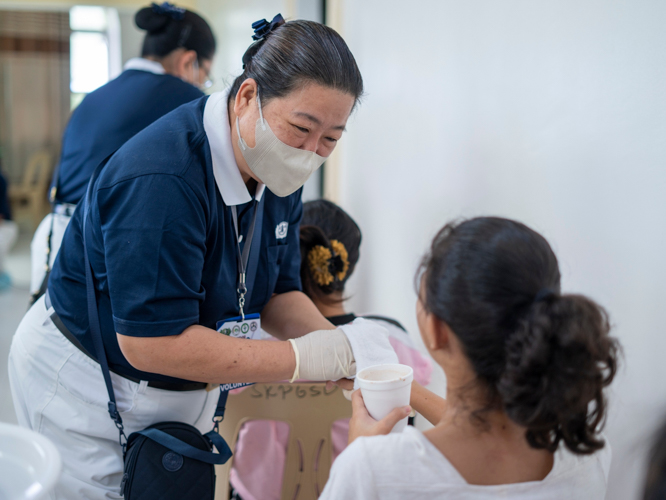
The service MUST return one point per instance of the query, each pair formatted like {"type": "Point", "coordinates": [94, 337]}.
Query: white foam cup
{"type": "Point", "coordinates": [385, 387]}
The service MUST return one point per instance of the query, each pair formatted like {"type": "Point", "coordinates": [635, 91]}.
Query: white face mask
{"type": "Point", "coordinates": [282, 168]}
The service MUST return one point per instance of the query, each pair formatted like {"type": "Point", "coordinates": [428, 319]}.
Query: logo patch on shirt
{"type": "Point", "coordinates": [281, 230]}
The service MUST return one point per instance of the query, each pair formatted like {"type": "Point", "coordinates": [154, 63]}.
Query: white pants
{"type": "Point", "coordinates": [8, 234]}
{"type": "Point", "coordinates": [59, 392]}
{"type": "Point", "coordinates": [38, 247]}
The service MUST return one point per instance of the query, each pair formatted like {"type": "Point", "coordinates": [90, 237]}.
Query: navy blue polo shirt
{"type": "Point", "coordinates": [5, 209]}
{"type": "Point", "coordinates": [108, 117]}
{"type": "Point", "coordinates": [162, 242]}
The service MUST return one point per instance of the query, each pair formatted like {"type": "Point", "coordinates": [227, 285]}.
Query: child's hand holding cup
{"type": "Point", "coordinates": [384, 388]}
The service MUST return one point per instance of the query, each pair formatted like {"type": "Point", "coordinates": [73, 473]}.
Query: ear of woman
{"type": "Point", "coordinates": [434, 332]}
{"type": "Point", "coordinates": [247, 111]}
{"type": "Point", "coordinates": [184, 66]}
{"type": "Point", "coordinates": [180, 63]}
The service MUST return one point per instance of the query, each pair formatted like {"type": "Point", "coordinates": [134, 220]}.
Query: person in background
{"type": "Point", "coordinates": [8, 233]}
{"type": "Point", "coordinates": [330, 249]}
{"type": "Point", "coordinates": [526, 367]}
{"type": "Point", "coordinates": [174, 66]}
{"type": "Point", "coordinates": [655, 483]}
{"type": "Point", "coordinates": [330, 242]}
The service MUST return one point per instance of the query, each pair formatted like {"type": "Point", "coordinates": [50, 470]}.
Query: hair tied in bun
{"type": "Point", "coordinates": [326, 265]}
{"type": "Point", "coordinates": [170, 10]}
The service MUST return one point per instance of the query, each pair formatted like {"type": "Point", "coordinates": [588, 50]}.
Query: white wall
{"type": "Point", "coordinates": [131, 37]}
{"type": "Point", "coordinates": [552, 113]}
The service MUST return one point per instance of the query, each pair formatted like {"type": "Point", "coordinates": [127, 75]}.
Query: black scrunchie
{"type": "Point", "coordinates": [261, 30]}
{"type": "Point", "coordinates": [336, 265]}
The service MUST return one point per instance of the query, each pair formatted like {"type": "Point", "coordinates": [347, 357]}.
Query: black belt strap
{"type": "Point", "coordinates": [166, 386]}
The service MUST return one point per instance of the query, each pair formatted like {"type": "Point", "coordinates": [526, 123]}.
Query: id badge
{"type": "Point", "coordinates": [250, 328]}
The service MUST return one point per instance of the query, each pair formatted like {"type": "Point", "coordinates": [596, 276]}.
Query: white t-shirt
{"type": "Point", "coordinates": [407, 465]}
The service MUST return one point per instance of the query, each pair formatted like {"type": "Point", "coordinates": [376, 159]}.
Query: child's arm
{"type": "Point", "coordinates": [427, 403]}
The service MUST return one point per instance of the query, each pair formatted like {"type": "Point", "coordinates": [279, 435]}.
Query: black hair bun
{"type": "Point", "coordinates": [149, 20]}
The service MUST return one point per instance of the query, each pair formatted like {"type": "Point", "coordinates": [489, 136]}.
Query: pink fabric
{"type": "Point", "coordinates": [259, 459]}
{"type": "Point", "coordinates": [261, 449]}
{"type": "Point", "coordinates": [339, 436]}
{"type": "Point", "coordinates": [411, 357]}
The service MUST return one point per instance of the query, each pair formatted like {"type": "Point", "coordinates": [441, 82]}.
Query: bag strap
{"type": "Point", "coordinates": [174, 444]}
{"type": "Point", "coordinates": [96, 334]}
{"type": "Point", "coordinates": [93, 315]}
{"type": "Point", "coordinates": [221, 408]}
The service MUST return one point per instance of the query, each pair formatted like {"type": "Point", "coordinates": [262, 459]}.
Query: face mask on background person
{"type": "Point", "coordinates": [282, 168]}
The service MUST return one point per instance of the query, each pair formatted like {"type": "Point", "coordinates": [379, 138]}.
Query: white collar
{"type": "Point", "coordinates": [227, 174]}
{"type": "Point", "coordinates": [145, 65]}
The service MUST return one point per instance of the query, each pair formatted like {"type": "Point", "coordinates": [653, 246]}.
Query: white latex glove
{"type": "Point", "coordinates": [370, 344]}
{"type": "Point", "coordinates": [323, 355]}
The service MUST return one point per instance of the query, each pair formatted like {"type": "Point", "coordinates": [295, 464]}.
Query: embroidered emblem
{"type": "Point", "coordinates": [281, 230]}
{"type": "Point", "coordinates": [172, 461]}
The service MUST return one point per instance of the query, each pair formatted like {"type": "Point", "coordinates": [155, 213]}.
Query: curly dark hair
{"type": "Point", "coordinates": [543, 358]}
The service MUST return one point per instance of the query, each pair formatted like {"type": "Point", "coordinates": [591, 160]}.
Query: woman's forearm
{"type": "Point", "coordinates": [427, 403]}
{"type": "Point", "coordinates": [291, 315]}
{"type": "Point", "coordinates": [204, 355]}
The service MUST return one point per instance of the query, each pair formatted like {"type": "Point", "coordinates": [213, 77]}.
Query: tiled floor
{"type": "Point", "coordinates": [13, 305]}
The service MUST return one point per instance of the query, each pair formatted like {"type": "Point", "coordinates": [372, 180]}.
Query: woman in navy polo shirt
{"type": "Point", "coordinates": [176, 58]}
{"type": "Point", "coordinates": [162, 245]}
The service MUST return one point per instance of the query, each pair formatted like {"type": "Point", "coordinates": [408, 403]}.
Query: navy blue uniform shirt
{"type": "Point", "coordinates": [5, 209]}
{"type": "Point", "coordinates": [161, 237]}
{"type": "Point", "coordinates": [108, 117]}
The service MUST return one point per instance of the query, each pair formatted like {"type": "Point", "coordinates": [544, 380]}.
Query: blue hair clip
{"type": "Point", "coordinates": [262, 27]}
{"type": "Point", "coordinates": [169, 9]}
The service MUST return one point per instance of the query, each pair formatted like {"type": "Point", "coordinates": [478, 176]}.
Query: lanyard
{"type": "Point", "coordinates": [243, 256]}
